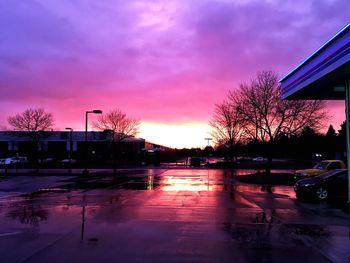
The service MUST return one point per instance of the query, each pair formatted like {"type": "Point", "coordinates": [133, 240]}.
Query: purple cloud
{"type": "Point", "coordinates": [159, 61]}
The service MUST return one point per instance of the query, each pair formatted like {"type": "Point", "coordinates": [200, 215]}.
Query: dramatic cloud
{"type": "Point", "coordinates": [165, 62]}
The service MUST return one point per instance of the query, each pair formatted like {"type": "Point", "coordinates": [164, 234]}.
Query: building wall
{"type": "Point", "coordinates": [98, 149]}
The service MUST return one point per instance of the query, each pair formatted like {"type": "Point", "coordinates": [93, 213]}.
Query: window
{"type": "Point", "coordinates": [335, 165]}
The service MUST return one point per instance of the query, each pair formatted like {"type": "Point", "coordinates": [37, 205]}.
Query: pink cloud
{"type": "Point", "coordinates": [166, 62]}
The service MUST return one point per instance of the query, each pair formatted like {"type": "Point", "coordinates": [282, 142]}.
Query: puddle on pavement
{"type": "Point", "coordinates": [265, 232]}
{"type": "Point", "coordinates": [267, 217]}
{"type": "Point", "coordinates": [27, 214]}
{"type": "Point", "coordinates": [175, 180]}
{"type": "Point", "coordinates": [296, 230]}
{"type": "Point", "coordinates": [63, 189]}
{"type": "Point", "coordinates": [276, 190]}
{"type": "Point", "coordinates": [268, 235]}
{"type": "Point", "coordinates": [256, 235]}
{"type": "Point", "coordinates": [70, 209]}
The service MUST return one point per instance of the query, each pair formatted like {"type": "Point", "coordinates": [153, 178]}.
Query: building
{"type": "Point", "coordinates": [99, 148]}
{"type": "Point", "coordinates": [324, 75]}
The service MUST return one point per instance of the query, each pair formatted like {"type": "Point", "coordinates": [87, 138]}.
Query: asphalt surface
{"type": "Point", "coordinates": [190, 215]}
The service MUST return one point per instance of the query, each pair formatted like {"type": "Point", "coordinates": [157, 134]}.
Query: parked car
{"type": "Point", "coordinates": [197, 161]}
{"type": "Point", "coordinates": [330, 185]}
{"type": "Point", "coordinates": [68, 161]}
{"type": "Point", "coordinates": [319, 168]}
{"type": "Point", "coordinates": [16, 160]}
{"type": "Point", "coordinates": [2, 161]}
{"type": "Point", "coordinates": [46, 160]}
{"type": "Point", "coordinates": [259, 159]}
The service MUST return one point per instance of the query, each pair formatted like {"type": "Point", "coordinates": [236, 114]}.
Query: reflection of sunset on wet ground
{"type": "Point", "coordinates": [192, 180]}
{"type": "Point", "coordinates": [162, 215]}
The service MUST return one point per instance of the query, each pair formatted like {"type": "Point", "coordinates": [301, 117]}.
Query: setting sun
{"type": "Point", "coordinates": [176, 135]}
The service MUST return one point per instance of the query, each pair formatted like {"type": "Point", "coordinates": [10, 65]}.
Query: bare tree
{"type": "Point", "coordinates": [32, 121]}
{"type": "Point", "coordinates": [118, 122]}
{"type": "Point", "coordinates": [227, 126]}
{"type": "Point", "coordinates": [267, 117]}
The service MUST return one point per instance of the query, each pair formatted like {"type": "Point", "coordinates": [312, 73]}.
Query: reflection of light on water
{"type": "Point", "coordinates": [239, 172]}
{"type": "Point", "coordinates": [277, 190]}
{"type": "Point", "coordinates": [183, 184]}
{"type": "Point", "coordinates": [150, 180]}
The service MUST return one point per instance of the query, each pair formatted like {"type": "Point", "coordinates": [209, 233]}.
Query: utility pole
{"type": "Point", "coordinates": [208, 139]}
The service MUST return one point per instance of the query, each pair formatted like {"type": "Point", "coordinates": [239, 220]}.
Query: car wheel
{"type": "Point", "coordinates": [322, 193]}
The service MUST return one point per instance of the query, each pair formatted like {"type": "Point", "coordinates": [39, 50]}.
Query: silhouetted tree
{"type": "Point", "coordinates": [310, 142]}
{"type": "Point", "coordinates": [341, 139]}
{"type": "Point", "coordinates": [308, 133]}
{"type": "Point", "coordinates": [32, 122]}
{"type": "Point", "coordinates": [227, 126]}
{"type": "Point", "coordinates": [117, 121]}
{"type": "Point", "coordinates": [331, 132]}
{"type": "Point", "coordinates": [266, 116]}
{"type": "Point", "coordinates": [208, 151]}
{"type": "Point", "coordinates": [342, 130]}
{"type": "Point", "coordinates": [330, 141]}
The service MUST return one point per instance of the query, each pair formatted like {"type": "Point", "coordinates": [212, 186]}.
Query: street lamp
{"type": "Point", "coordinates": [86, 121]}
{"type": "Point", "coordinates": [70, 141]}
{"type": "Point", "coordinates": [86, 134]}
{"type": "Point", "coordinates": [208, 139]}
{"type": "Point", "coordinates": [113, 148]}
{"type": "Point", "coordinates": [70, 148]}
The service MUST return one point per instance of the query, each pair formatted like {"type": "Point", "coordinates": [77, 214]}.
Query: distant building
{"type": "Point", "coordinates": [99, 148]}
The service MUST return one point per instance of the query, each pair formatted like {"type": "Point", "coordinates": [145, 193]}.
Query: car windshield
{"type": "Point", "coordinates": [321, 165]}
{"type": "Point", "coordinates": [331, 173]}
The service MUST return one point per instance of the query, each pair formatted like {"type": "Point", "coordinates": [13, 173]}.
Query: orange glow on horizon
{"type": "Point", "coordinates": [176, 135]}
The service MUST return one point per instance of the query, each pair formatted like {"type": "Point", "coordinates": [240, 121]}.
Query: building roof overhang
{"type": "Point", "coordinates": [323, 74]}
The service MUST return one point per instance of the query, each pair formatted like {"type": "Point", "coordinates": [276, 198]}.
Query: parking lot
{"type": "Point", "coordinates": [165, 215]}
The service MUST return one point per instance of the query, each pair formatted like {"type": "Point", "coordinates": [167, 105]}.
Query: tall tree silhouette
{"type": "Point", "coordinates": [227, 126]}
{"type": "Point", "coordinates": [331, 132]}
{"type": "Point", "coordinates": [266, 117]}
{"type": "Point", "coordinates": [117, 121]}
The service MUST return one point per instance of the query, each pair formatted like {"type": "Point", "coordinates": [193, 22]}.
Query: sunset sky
{"type": "Point", "coordinates": [164, 62]}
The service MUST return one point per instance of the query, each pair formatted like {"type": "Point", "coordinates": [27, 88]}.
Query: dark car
{"type": "Point", "coordinates": [330, 185]}
{"type": "Point", "coordinates": [197, 161]}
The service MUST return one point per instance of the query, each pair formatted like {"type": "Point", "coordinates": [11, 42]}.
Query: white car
{"type": "Point", "coordinates": [259, 159]}
{"type": "Point", "coordinates": [68, 161]}
{"type": "Point", "coordinates": [16, 160]}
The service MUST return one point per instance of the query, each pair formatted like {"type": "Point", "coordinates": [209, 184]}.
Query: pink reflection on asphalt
{"type": "Point", "coordinates": [192, 180]}
{"type": "Point", "coordinates": [277, 190]}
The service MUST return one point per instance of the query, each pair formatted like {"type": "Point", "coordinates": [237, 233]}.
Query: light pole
{"type": "Point", "coordinates": [86, 136]}
{"type": "Point", "coordinates": [120, 137]}
{"type": "Point", "coordinates": [70, 141]}
{"type": "Point", "coordinates": [70, 147]}
{"type": "Point", "coordinates": [208, 139]}
{"type": "Point", "coordinates": [113, 149]}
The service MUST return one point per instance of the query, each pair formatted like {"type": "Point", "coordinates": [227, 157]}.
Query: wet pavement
{"type": "Point", "coordinates": [155, 215]}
